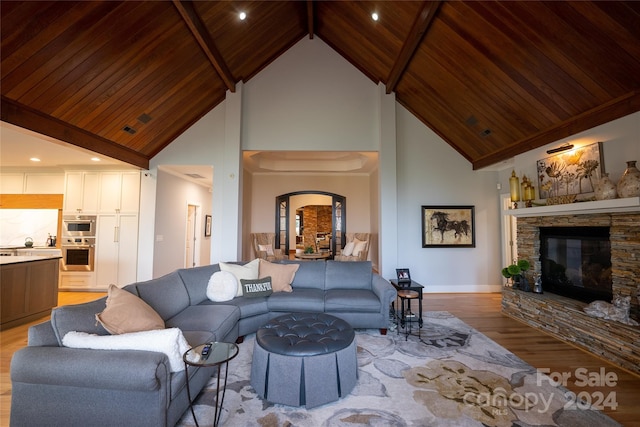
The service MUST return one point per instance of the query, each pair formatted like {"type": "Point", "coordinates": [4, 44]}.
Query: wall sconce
{"type": "Point", "coordinates": [560, 149]}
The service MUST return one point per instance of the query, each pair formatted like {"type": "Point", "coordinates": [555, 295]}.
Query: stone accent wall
{"type": "Point", "coordinates": [317, 219]}
{"type": "Point", "coordinates": [564, 317]}
{"type": "Point", "coordinates": [625, 245]}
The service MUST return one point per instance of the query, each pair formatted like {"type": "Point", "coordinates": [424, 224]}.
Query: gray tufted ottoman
{"type": "Point", "coordinates": [304, 359]}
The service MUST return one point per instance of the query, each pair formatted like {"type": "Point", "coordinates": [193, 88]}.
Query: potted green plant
{"type": "Point", "coordinates": [516, 272]}
{"type": "Point", "coordinates": [308, 250]}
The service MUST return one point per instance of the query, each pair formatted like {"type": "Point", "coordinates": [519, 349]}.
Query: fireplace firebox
{"type": "Point", "coordinates": [576, 262]}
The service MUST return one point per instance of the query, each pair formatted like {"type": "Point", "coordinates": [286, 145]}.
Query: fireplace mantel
{"type": "Point", "coordinates": [614, 341]}
{"type": "Point", "coordinates": [629, 204]}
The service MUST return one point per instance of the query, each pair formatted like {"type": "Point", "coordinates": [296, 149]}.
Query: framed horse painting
{"type": "Point", "coordinates": [448, 226]}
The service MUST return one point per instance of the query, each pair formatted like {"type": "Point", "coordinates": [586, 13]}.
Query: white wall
{"type": "Point", "coordinates": [310, 98]}
{"type": "Point", "coordinates": [430, 172]}
{"type": "Point", "coordinates": [201, 144]}
{"type": "Point", "coordinates": [171, 222]}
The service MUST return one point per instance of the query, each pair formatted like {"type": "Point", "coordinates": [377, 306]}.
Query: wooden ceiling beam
{"type": "Point", "coordinates": [201, 34]}
{"type": "Point", "coordinates": [615, 109]}
{"type": "Point", "coordinates": [25, 117]}
{"type": "Point", "coordinates": [310, 18]}
{"type": "Point", "coordinates": [415, 36]}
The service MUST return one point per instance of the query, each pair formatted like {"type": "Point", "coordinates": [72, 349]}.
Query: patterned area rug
{"type": "Point", "coordinates": [454, 376]}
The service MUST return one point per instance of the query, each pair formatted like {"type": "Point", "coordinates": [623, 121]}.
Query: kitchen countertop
{"type": "Point", "coordinates": [9, 247]}
{"type": "Point", "coordinates": [7, 260]}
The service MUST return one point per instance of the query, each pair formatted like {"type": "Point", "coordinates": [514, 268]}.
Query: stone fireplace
{"type": "Point", "coordinates": [564, 317]}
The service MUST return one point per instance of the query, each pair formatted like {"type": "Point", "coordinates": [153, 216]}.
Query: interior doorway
{"type": "Point", "coordinates": [509, 232]}
{"type": "Point", "coordinates": [296, 227]}
{"type": "Point", "coordinates": [192, 252]}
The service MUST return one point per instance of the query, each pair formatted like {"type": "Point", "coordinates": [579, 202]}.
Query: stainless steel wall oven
{"type": "Point", "coordinates": [78, 253]}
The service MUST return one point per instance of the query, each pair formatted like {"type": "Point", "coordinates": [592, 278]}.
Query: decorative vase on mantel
{"type": "Point", "coordinates": [629, 184]}
{"type": "Point", "coordinates": [605, 189]}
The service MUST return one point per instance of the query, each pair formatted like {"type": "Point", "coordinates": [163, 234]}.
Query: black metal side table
{"type": "Point", "coordinates": [219, 354]}
{"type": "Point", "coordinates": [405, 288]}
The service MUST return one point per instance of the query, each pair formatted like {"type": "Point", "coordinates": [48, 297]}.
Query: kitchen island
{"type": "Point", "coordinates": [28, 288]}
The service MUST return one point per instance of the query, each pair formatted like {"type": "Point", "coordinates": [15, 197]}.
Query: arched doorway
{"type": "Point", "coordinates": [284, 217]}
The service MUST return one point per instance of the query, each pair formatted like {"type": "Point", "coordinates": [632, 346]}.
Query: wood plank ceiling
{"type": "Point", "coordinates": [492, 78]}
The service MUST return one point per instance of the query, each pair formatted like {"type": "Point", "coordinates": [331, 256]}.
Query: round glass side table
{"type": "Point", "coordinates": [220, 354]}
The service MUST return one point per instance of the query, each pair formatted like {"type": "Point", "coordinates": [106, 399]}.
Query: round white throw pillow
{"type": "Point", "coordinates": [222, 286]}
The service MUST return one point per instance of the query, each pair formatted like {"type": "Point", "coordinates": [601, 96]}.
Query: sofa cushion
{"type": "Point", "coordinates": [78, 317]}
{"type": "Point", "coordinates": [195, 281]}
{"type": "Point", "coordinates": [351, 275]}
{"type": "Point", "coordinates": [248, 306]}
{"type": "Point", "coordinates": [195, 338]}
{"type": "Point", "coordinates": [125, 312]}
{"type": "Point", "coordinates": [218, 319]}
{"type": "Point", "coordinates": [248, 271]}
{"type": "Point", "coordinates": [167, 294]}
{"type": "Point", "coordinates": [281, 274]}
{"type": "Point", "coordinates": [351, 301]}
{"type": "Point", "coordinates": [256, 288]}
{"type": "Point", "coordinates": [309, 274]}
{"type": "Point", "coordinates": [307, 300]}
{"type": "Point", "coordinates": [222, 286]}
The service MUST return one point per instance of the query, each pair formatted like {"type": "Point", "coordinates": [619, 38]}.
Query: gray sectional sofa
{"type": "Point", "coordinates": [54, 385]}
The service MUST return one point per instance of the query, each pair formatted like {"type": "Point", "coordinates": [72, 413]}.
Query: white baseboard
{"type": "Point", "coordinates": [449, 289]}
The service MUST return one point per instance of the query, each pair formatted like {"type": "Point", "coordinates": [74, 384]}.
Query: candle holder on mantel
{"type": "Point", "coordinates": [514, 189]}
{"type": "Point", "coordinates": [528, 192]}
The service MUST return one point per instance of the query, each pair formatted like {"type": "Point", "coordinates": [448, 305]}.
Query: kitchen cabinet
{"type": "Point", "coordinates": [119, 192]}
{"type": "Point", "coordinates": [31, 183]}
{"type": "Point", "coordinates": [28, 289]}
{"type": "Point", "coordinates": [81, 192]}
{"type": "Point", "coordinates": [42, 183]}
{"type": "Point", "coordinates": [77, 281]}
{"type": "Point", "coordinates": [12, 183]}
{"type": "Point", "coordinates": [117, 250]}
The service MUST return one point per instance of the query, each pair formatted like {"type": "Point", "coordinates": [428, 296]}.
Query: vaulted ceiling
{"type": "Point", "coordinates": [492, 78]}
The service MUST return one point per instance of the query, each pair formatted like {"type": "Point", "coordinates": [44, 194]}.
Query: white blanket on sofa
{"type": "Point", "coordinates": [168, 341]}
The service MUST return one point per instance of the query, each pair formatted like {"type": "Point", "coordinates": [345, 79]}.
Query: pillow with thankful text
{"type": "Point", "coordinates": [257, 288]}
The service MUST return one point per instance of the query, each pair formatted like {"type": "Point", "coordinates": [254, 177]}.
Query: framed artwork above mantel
{"type": "Point", "coordinates": [571, 175]}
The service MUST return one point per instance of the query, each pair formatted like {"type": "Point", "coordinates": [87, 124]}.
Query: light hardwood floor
{"type": "Point", "coordinates": [481, 311]}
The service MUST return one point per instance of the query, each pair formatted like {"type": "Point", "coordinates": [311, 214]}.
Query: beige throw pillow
{"type": "Point", "coordinates": [359, 247]}
{"type": "Point", "coordinates": [348, 249]}
{"type": "Point", "coordinates": [249, 271]}
{"type": "Point", "coordinates": [266, 248]}
{"type": "Point", "coordinates": [125, 312]}
{"type": "Point", "coordinates": [281, 275]}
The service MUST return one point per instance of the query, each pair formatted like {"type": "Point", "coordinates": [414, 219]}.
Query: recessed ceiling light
{"type": "Point", "coordinates": [375, 16]}
{"type": "Point", "coordinates": [242, 16]}
{"type": "Point", "coordinates": [34, 159]}
{"type": "Point", "coordinates": [95, 159]}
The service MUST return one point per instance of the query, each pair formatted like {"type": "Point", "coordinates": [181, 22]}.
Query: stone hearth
{"type": "Point", "coordinates": [563, 317]}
